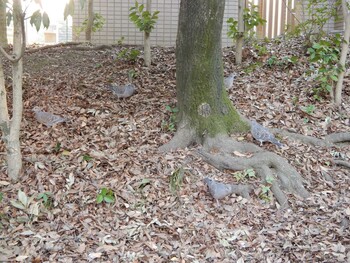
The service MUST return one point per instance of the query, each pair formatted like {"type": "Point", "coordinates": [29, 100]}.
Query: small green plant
{"type": "Point", "coordinates": [290, 60]}
{"type": "Point", "coordinates": [132, 74]}
{"type": "Point", "coordinates": [295, 100]}
{"type": "Point", "coordinates": [105, 195]}
{"type": "Point", "coordinates": [87, 157]}
{"type": "Point", "coordinates": [245, 174]}
{"type": "Point", "coordinates": [324, 55]}
{"type": "Point", "coordinates": [170, 124]}
{"type": "Point", "coordinates": [46, 199]}
{"type": "Point", "coordinates": [134, 53]}
{"type": "Point", "coordinates": [1, 196]}
{"type": "Point", "coordinates": [128, 54]}
{"type": "Point", "coordinates": [309, 109]}
{"type": "Point", "coordinates": [120, 41]}
{"type": "Point", "coordinates": [176, 179]}
{"type": "Point", "coordinates": [262, 50]}
{"type": "Point", "coordinates": [57, 147]}
{"type": "Point", "coordinates": [143, 19]}
{"type": "Point", "coordinates": [285, 62]}
{"type": "Point", "coordinates": [251, 19]}
{"type": "Point", "coordinates": [97, 24]}
{"type": "Point", "coordinates": [265, 189]}
{"type": "Point", "coordinates": [271, 61]}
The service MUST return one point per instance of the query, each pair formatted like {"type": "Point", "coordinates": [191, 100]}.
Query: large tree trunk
{"type": "Point", "coordinates": [204, 107]}
{"type": "Point", "coordinates": [90, 21]}
{"type": "Point", "coordinates": [3, 33]}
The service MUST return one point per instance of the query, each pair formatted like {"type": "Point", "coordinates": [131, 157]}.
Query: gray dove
{"type": "Point", "coordinates": [122, 91]}
{"type": "Point", "coordinates": [218, 190]}
{"type": "Point", "coordinates": [47, 118]}
{"type": "Point", "coordinates": [228, 81]}
{"type": "Point", "coordinates": [261, 134]}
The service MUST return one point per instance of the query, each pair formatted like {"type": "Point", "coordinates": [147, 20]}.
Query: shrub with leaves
{"type": "Point", "coordinates": [126, 54]}
{"type": "Point", "coordinates": [318, 13]}
{"type": "Point", "coordinates": [324, 55]}
{"type": "Point", "coordinates": [143, 19]}
{"type": "Point", "coordinates": [251, 19]}
{"type": "Point", "coordinates": [97, 24]}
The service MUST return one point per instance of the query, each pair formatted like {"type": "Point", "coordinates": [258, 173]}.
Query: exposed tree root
{"type": "Point", "coordinates": [329, 140]}
{"type": "Point", "coordinates": [266, 164]}
{"type": "Point", "coordinates": [224, 153]}
{"type": "Point", "coordinates": [342, 163]}
{"type": "Point", "coordinates": [183, 137]}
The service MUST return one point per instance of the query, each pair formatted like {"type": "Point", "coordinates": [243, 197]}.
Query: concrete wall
{"type": "Point", "coordinates": [118, 24]}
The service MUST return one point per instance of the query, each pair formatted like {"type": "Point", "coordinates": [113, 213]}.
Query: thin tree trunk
{"type": "Point", "coordinates": [12, 143]}
{"type": "Point", "coordinates": [240, 40]}
{"type": "Point", "coordinates": [343, 54]}
{"type": "Point", "coordinates": [147, 41]}
{"type": "Point", "coordinates": [3, 29]}
{"type": "Point", "coordinates": [90, 21]}
{"type": "Point", "coordinates": [4, 117]}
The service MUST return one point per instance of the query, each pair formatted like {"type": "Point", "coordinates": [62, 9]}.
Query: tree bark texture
{"type": "Point", "coordinates": [147, 41]}
{"type": "Point", "coordinates": [4, 117]}
{"type": "Point", "coordinates": [90, 21]}
{"type": "Point", "coordinates": [343, 54]}
{"type": "Point", "coordinates": [12, 143]}
{"type": "Point", "coordinates": [3, 28]}
{"type": "Point", "coordinates": [202, 100]}
{"type": "Point", "coordinates": [240, 40]}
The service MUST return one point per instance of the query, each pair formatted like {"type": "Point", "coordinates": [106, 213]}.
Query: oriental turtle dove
{"type": "Point", "coordinates": [47, 118]}
{"type": "Point", "coordinates": [218, 190]}
{"type": "Point", "coordinates": [261, 134]}
{"type": "Point", "coordinates": [122, 91]}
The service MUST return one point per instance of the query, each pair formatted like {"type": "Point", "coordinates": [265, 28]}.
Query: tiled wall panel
{"type": "Point", "coordinates": [118, 24]}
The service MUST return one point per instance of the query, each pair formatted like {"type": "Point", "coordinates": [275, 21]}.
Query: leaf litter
{"type": "Point", "coordinates": [110, 143]}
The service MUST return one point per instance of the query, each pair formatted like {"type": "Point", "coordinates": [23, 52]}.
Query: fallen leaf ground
{"type": "Point", "coordinates": [113, 143]}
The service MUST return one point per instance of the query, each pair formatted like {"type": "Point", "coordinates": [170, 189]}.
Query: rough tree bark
{"type": "Point", "coordinates": [204, 107]}
{"type": "Point", "coordinates": [90, 21]}
{"type": "Point", "coordinates": [206, 115]}
{"type": "Point", "coordinates": [147, 41]}
{"type": "Point", "coordinates": [11, 127]}
{"type": "Point", "coordinates": [3, 29]}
